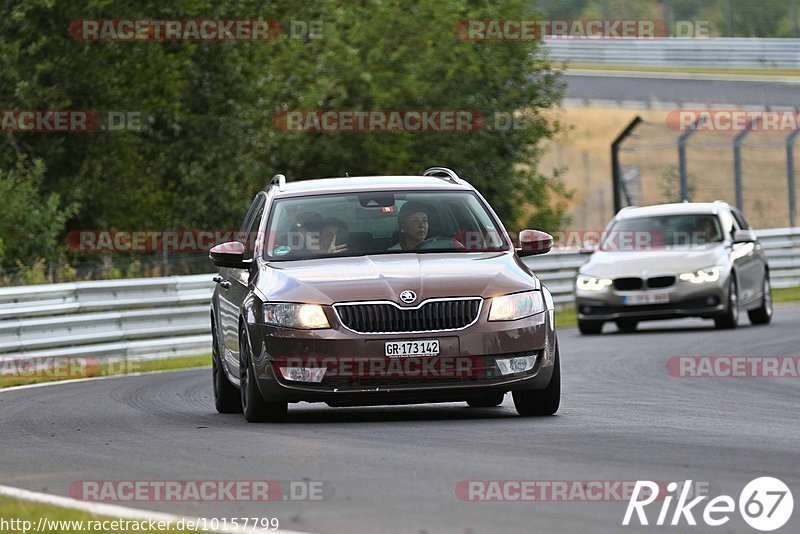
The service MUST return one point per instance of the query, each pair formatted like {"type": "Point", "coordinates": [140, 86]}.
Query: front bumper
{"type": "Point", "coordinates": [352, 384]}
{"type": "Point", "coordinates": [685, 300]}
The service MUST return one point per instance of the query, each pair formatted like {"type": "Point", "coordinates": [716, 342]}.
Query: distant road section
{"type": "Point", "coordinates": [655, 88]}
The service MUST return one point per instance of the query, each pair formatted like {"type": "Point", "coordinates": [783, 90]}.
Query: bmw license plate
{"type": "Point", "coordinates": [421, 347]}
{"type": "Point", "coordinates": [646, 298]}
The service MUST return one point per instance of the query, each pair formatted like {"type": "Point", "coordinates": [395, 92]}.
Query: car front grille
{"type": "Point", "coordinates": [660, 282]}
{"type": "Point", "coordinates": [628, 284]}
{"type": "Point", "coordinates": [386, 317]}
{"type": "Point", "coordinates": [636, 284]}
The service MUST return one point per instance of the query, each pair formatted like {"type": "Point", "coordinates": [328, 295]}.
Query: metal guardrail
{"type": "Point", "coordinates": [676, 52]}
{"type": "Point", "coordinates": [138, 318]}
{"type": "Point", "coordinates": [781, 245]}
{"type": "Point", "coordinates": [164, 317]}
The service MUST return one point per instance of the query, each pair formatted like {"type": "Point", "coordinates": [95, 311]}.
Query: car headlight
{"type": "Point", "coordinates": [305, 316]}
{"type": "Point", "coordinates": [590, 283]}
{"type": "Point", "coordinates": [700, 276]}
{"type": "Point", "coordinates": [516, 306]}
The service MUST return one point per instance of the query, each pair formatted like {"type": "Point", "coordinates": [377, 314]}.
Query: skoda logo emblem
{"type": "Point", "coordinates": [408, 296]}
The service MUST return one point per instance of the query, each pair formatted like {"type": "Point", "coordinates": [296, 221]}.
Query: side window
{"type": "Point", "coordinates": [740, 220]}
{"type": "Point", "coordinates": [250, 224]}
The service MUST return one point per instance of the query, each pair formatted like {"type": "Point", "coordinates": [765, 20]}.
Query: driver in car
{"type": "Point", "coordinates": [413, 222]}
{"type": "Point", "coordinates": [705, 231]}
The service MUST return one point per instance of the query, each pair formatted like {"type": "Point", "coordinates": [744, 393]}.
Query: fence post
{"type": "Point", "coordinates": [684, 137]}
{"type": "Point", "coordinates": [682, 140]}
{"type": "Point", "coordinates": [790, 177]}
{"type": "Point", "coordinates": [616, 172]}
{"type": "Point", "coordinates": [737, 162]}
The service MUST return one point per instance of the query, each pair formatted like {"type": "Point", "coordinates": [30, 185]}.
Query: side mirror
{"type": "Point", "coordinates": [230, 254]}
{"type": "Point", "coordinates": [744, 236]}
{"type": "Point", "coordinates": [534, 242]}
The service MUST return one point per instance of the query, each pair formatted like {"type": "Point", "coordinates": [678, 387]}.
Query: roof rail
{"type": "Point", "coordinates": [443, 172]}
{"type": "Point", "coordinates": [279, 180]}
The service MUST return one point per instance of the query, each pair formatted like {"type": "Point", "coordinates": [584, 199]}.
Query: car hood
{"type": "Point", "coordinates": [384, 276]}
{"type": "Point", "coordinates": [667, 261]}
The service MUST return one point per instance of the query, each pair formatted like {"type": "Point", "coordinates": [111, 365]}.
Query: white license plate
{"type": "Point", "coordinates": [646, 298]}
{"type": "Point", "coordinates": [421, 347]}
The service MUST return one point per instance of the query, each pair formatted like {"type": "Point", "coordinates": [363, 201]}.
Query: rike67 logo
{"type": "Point", "coordinates": [765, 504]}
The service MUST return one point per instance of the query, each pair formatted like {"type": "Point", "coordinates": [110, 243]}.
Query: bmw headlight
{"type": "Point", "coordinates": [305, 316]}
{"type": "Point", "coordinates": [516, 306]}
{"type": "Point", "coordinates": [590, 283]}
{"type": "Point", "coordinates": [700, 276]}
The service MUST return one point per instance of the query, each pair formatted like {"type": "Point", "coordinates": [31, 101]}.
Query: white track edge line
{"type": "Point", "coordinates": [121, 512]}
{"type": "Point", "coordinates": [95, 378]}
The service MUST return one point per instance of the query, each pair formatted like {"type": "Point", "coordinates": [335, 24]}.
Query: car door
{"type": "Point", "coordinates": [234, 286]}
{"type": "Point", "coordinates": [749, 265]}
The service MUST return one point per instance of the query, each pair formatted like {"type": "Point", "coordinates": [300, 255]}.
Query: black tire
{"type": "Point", "coordinates": [590, 328]}
{"type": "Point", "coordinates": [254, 407]}
{"type": "Point", "coordinates": [535, 402]}
{"type": "Point", "coordinates": [763, 315]}
{"type": "Point", "coordinates": [226, 396]}
{"type": "Point", "coordinates": [627, 325]}
{"type": "Point", "coordinates": [730, 317]}
{"type": "Point", "coordinates": [487, 400]}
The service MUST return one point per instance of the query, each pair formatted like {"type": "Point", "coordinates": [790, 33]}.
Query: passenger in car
{"type": "Point", "coordinates": [333, 236]}
{"type": "Point", "coordinates": [413, 222]}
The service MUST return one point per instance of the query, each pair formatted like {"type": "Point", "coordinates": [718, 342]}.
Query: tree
{"type": "Point", "coordinates": [208, 141]}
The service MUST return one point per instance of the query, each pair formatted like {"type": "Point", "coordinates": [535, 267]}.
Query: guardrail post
{"type": "Point", "coordinates": [616, 170]}
{"type": "Point", "coordinates": [790, 177]}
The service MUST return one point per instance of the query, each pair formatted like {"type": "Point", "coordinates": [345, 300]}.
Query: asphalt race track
{"type": "Point", "coordinates": [674, 88]}
{"type": "Point", "coordinates": [623, 417]}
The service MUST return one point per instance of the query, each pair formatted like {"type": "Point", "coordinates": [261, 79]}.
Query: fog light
{"type": "Point", "coordinates": [516, 365]}
{"type": "Point", "coordinates": [303, 374]}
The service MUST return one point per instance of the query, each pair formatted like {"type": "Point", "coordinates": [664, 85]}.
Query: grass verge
{"type": "Point", "coordinates": [25, 516]}
{"type": "Point", "coordinates": [71, 368]}
{"type": "Point", "coordinates": [786, 294]}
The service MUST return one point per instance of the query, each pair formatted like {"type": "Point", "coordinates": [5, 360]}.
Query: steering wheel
{"type": "Point", "coordinates": [440, 242]}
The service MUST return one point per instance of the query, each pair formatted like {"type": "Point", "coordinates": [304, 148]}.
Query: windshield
{"type": "Point", "coordinates": [380, 222]}
{"type": "Point", "coordinates": [646, 233]}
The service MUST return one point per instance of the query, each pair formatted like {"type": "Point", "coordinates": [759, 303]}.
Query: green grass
{"type": "Point", "coordinates": [566, 317]}
{"type": "Point", "coordinates": [786, 294]}
{"type": "Point", "coordinates": [12, 509]}
{"type": "Point", "coordinates": [115, 368]}
{"type": "Point", "coordinates": [688, 70]}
